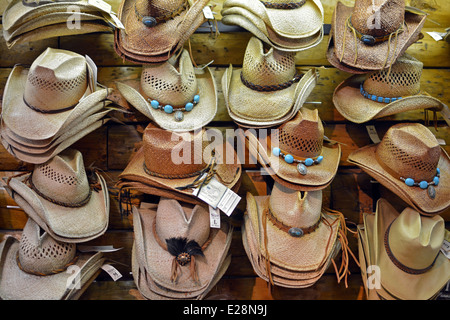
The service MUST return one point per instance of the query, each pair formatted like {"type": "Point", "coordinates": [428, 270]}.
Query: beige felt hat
{"type": "Point", "coordinates": [178, 250]}
{"type": "Point", "coordinates": [371, 36]}
{"type": "Point", "coordinates": [295, 154]}
{"type": "Point", "coordinates": [268, 90]}
{"type": "Point", "coordinates": [64, 200]}
{"type": "Point", "coordinates": [410, 162]}
{"type": "Point", "coordinates": [361, 98]}
{"type": "Point", "coordinates": [174, 94]}
{"type": "Point", "coordinates": [64, 77]}
{"type": "Point", "coordinates": [37, 267]}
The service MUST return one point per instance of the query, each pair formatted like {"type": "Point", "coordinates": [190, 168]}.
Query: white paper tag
{"type": "Point", "coordinates": [93, 80]}
{"type": "Point", "coordinates": [229, 202]}
{"type": "Point", "coordinates": [84, 248]}
{"type": "Point", "coordinates": [214, 218]}
{"type": "Point", "coordinates": [445, 249]}
{"type": "Point", "coordinates": [207, 12]}
{"type": "Point", "coordinates": [100, 4]}
{"type": "Point", "coordinates": [436, 35]}
{"type": "Point", "coordinates": [218, 196]}
{"type": "Point", "coordinates": [373, 134]}
{"type": "Point", "coordinates": [441, 142]}
{"type": "Point", "coordinates": [117, 21]}
{"type": "Point", "coordinates": [113, 272]}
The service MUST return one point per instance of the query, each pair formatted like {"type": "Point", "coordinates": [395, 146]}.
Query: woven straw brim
{"type": "Point", "coordinates": [372, 57]}
{"type": "Point", "coordinates": [265, 109]}
{"type": "Point", "coordinates": [16, 284]}
{"type": "Point", "coordinates": [311, 249]}
{"type": "Point", "coordinates": [351, 104]}
{"type": "Point", "coordinates": [401, 284]}
{"type": "Point", "coordinates": [294, 23]}
{"type": "Point", "coordinates": [202, 113]}
{"type": "Point", "coordinates": [252, 24]}
{"type": "Point", "coordinates": [158, 261]}
{"type": "Point", "coordinates": [31, 124]}
{"type": "Point", "coordinates": [71, 133]}
{"type": "Point", "coordinates": [334, 61]}
{"type": "Point", "coordinates": [71, 224]}
{"type": "Point", "coordinates": [416, 197]}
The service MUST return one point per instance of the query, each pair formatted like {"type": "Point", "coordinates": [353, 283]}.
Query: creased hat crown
{"type": "Point", "coordinates": [159, 8]}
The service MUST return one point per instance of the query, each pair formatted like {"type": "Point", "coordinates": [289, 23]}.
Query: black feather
{"type": "Point", "coordinates": [175, 246]}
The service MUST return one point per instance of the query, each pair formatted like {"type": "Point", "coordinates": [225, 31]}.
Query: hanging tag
{"type": "Point", "coordinates": [373, 134]}
{"type": "Point", "coordinates": [438, 36]}
{"type": "Point", "coordinates": [84, 248]}
{"type": "Point", "coordinates": [113, 272]}
{"type": "Point", "coordinates": [100, 4]}
{"type": "Point", "coordinates": [445, 249]}
{"type": "Point", "coordinates": [229, 202]}
{"type": "Point", "coordinates": [117, 22]}
{"type": "Point", "coordinates": [214, 218]}
{"type": "Point", "coordinates": [93, 79]}
{"type": "Point", "coordinates": [207, 12]}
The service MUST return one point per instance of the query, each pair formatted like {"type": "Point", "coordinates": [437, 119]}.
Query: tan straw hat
{"type": "Point", "coordinates": [155, 29]}
{"type": "Point", "coordinates": [410, 162]}
{"type": "Point", "coordinates": [412, 267]}
{"type": "Point", "coordinates": [40, 101]}
{"type": "Point", "coordinates": [39, 268]}
{"type": "Point", "coordinates": [372, 35]}
{"type": "Point", "coordinates": [181, 161]}
{"type": "Point", "coordinates": [295, 154]}
{"type": "Point", "coordinates": [174, 94]}
{"type": "Point", "coordinates": [361, 98]}
{"type": "Point", "coordinates": [268, 90]}
{"type": "Point", "coordinates": [66, 200]}
{"type": "Point", "coordinates": [178, 249]}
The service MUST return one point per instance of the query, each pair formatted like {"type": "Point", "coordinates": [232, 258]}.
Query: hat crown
{"type": "Point", "coordinates": [176, 220]}
{"type": "Point", "coordinates": [295, 208]}
{"type": "Point", "coordinates": [415, 240]}
{"type": "Point", "coordinates": [63, 178]}
{"type": "Point", "coordinates": [302, 136]}
{"type": "Point", "coordinates": [265, 68]}
{"type": "Point", "coordinates": [402, 81]}
{"type": "Point", "coordinates": [378, 17]}
{"type": "Point", "coordinates": [159, 8]}
{"type": "Point", "coordinates": [411, 150]}
{"type": "Point", "coordinates": [57, 79]}
{"type": "Point", "coordinates": [40, 253]}
{"type": "Point", "coordinates": [168, 84]}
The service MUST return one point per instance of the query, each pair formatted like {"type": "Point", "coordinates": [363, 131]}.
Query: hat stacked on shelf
{"type": "Point", "coordinates": [33, 20]}
{"type": "Point", "coordinates": [285, 25]}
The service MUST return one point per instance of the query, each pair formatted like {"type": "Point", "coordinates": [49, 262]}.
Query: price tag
{"type": "Point", "coordinates": [214, 218]}
{"type": "Point", "coordinates": [93, 79]}
{"type": "Point", "coordinates": [229, 202]}
{"type": "Point", "coordinates": [114, 274]}
{"type": "Point", "coordinates": [373, 134]}
{"type": "Point", "coordinates": [117, 21]}
{"type": "Point", "coordinates": [207, 12]}
{"type": "Point", "coordinates": [436, 35]}
{"type": "Point", "coordinates": [445, 249]}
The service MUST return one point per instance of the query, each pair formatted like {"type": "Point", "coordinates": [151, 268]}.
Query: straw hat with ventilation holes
{"type": "Point", "coordinates": [63, 197]}
{"type": "Point", "coordinates": [372, 36]}
{"type": "Point", "coordinates": [56, 90]}
{"type": "Point", "coordinates": [381, 94]}
{"type": "Point", "coordinates": [268, 90]}
{"type": "Point", "coordinates": [174, 84]}
{"type": "Point", "coordinates": [410, 162]}
{"type": "Point", "coordinates": [36, 267]}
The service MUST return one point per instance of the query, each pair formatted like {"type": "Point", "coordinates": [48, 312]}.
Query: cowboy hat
{"type": "Point", "coordinates": [382, 93]}
{"type": "Point", "coordinates": [268, 90]}
{"type": "Point", "coordinates": [410, 162]}
{"type": "Point", "coordinates": [174, 94]}
{"type": "Point", "coordinates": [371, 37]}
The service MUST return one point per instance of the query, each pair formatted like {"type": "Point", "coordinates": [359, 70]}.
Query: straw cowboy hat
{"type": "Point", "coordinates": [295, 154]}
{"type": "Point", "coordinates": [412, 267]}
{"type": "Point", "coordinates": [372, 36]}
{"type": "Point", "coordinates": [156, 29]}
{"type": "Point", "coordinates": [299, 34]}
{"type": "Point", "coordinates": [178, 250]}
{"type": "Point", "coordinates": [64, 201]}
{"type": "Point", "coordinates": [57, 89]}
{"type": "Point", "coordinates": [410, 162]}
{"type": "Point", "coordinates": [37, 267]}
{"type": "Point", "coordinates": [174, 94]}
{"type": "Point", "coordinates": [382, 93]}
{"type": "Point", "coordinates": [268, 90]}
{"type": "Point", "coordinates": [158, 162]}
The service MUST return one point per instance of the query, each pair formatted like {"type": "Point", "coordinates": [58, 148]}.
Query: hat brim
{"type": "Point", "coordinates": [416, 197]}
{"type": "Point", "coordinates": [71, 224]}
{"type": "Point", "coordinates": [372, 57]}
{"type": "Point", "coordinates": [349, 101]}
{"type": "Point", "coordinates": [401, 284]}
{"type": "Point", "coordinates": [16, 284]}
{"type": "Point", "coordinates": [202, 114]}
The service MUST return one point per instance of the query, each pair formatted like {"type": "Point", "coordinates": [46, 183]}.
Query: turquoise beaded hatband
{"type": "Point", "coordinates": [376, 98]}
{"type": "Point", "coordinates": [179, 116]}
{"type": "Point", "coordinates": [301, 164]}
{"type": "Point", "coordinates": [425, 184]}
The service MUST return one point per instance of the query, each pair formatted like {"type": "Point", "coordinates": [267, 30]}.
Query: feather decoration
{"type": "Point", "coordinates": [177, 246]}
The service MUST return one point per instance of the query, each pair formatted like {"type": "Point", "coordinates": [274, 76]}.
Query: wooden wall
{"type": "Point", "coordinates": [110, 147]}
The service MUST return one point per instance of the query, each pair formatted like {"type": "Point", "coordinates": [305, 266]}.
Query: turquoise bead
{"type": "Point", "coordinates": [409, 182]}
{"type": "Point", "coordinates": [438, 171]}
{"type": "Point", "coordinates": [168, 109]}
{"type": "Point", "coordinates": [196, 98]}
{"type": "Point", "coordinates": [423, 184]}
{"type": "Point", "coordinates": [149, 21]}
{"type": "Point", "coordinates": [436, 181]}
{"type": "Point", "coordinates": [189, 106]}
{"type": "Point", "coordinates": [387, 100]}
{"type": "Point", "coordinates": [309, 162]}
{"type": "Point", "coordinates": [276, 152]}
{"type": "Point", "coordinates": [380, 99]}
{"type": "Point", "coordinates": [319, 159]}
{"type": "Point", "coordinates": [154, 104]}
{"type": "Point", "coordinates": [289, 159]}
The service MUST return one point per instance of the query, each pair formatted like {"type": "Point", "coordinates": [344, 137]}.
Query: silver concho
{"type": "Point", "coordinates": [302, 169]}
{"type": "Point", "coordinates": [179, 116]}
{"type": "Point", "coordinates": [296, 232]}
{"type": "Point", "coordinates": [431, 192]}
